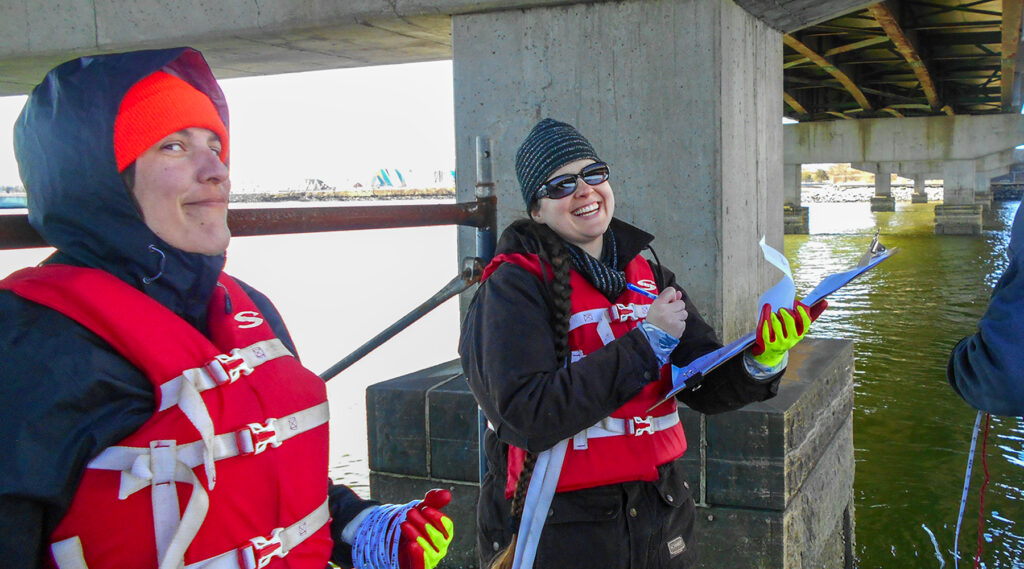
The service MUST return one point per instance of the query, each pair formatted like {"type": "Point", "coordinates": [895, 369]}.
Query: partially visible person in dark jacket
{"type": "Point", "coordinates": [987, 367]}
{"type": "Point", "coordinates": [154, 412]}
{"type": "Point", "coordinates": [569, 337]}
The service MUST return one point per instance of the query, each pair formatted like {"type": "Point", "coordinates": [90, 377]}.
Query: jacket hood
{"type": "Point", "coordinates": [64, 145]}
{"type": "Point", "coordinates": [519, 237]}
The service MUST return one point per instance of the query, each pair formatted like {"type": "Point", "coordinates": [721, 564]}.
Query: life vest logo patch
{"type": "Point", "coordinates": [248, 319]}
{"type": "Point", "coordinates": [648, 285]}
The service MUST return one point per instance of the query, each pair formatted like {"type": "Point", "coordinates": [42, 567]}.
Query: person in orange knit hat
{"type": "Point", "coordinates": [156, 414]}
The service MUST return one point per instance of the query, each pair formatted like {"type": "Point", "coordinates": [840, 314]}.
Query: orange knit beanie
{"type": "Point", "coordinates": [158, 105]}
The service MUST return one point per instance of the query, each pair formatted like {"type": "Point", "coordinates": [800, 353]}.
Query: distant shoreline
{"type": "Point", "coordinates": [345, 195]}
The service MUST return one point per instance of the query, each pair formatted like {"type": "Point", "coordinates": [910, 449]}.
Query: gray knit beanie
{"type": "Point", "coordinates": [549, 146]}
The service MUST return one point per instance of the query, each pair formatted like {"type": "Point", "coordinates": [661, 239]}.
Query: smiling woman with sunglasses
{"type": "Point", "coordinates": [570, 336]}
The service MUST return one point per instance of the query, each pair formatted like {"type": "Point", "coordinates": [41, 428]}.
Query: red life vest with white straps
{"type": "Point", "coordinates": [231, 469]}
{"type": "Point", "coordinates": [632, 442]}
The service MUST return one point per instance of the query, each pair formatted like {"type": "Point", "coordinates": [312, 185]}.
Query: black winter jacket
{"type": "Point", "coordinates": [507, 348]}
{"type": "Point", "coordinates": [65, 395]}
{"type": "Point", "coordinates": [508, 353]}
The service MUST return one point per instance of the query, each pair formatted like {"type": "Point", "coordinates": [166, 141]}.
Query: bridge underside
{"type": "Point", "coordinates": [907, 58]}
{"type": "Point", "coordinates": [244, 38]}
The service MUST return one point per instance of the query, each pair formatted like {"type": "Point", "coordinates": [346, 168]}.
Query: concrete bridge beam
{"type": "Point", "coordinates": [958, 137]}
{"type": "Point", "coordinates": [259, 37]}
{"type": "Point", "coordinates": [933, 168]}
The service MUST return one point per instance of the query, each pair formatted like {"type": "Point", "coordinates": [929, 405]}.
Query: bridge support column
{"type": "Point", "coordinates": [983, 192]}
{"type": "Point", "coordinates": [919, 195]}
{"type": "Point", "coordinates": [795, 217]}
{"type": "Point", "coordinates": [958, 214]}
{"type": "Point", "coordinates": [883, 200]}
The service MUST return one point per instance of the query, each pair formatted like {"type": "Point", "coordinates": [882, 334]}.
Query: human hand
{"type": "Point", "coordinates": [777, 332]}
{"type": "Point", "coordinates": [668, 312]}
{"type": "Point", "coordinates": [426, 533]}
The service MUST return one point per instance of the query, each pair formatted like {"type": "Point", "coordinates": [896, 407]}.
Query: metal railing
{"type": "Point", "coordinates": [16, 233]}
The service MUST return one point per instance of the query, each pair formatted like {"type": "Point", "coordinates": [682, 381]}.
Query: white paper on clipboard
{"type": "Point", "coordinates": [782, 294]}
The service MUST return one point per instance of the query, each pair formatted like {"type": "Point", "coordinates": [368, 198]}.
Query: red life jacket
{"type": "Point", "coordinates": [232, 466]}
{"type": "Point", "coordinates": [631, 443]}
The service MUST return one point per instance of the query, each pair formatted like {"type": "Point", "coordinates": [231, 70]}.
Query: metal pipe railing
{"type": "Point", "coordinates": [16, 233]}
{"type": "Point", "coordinates": [472, 268]}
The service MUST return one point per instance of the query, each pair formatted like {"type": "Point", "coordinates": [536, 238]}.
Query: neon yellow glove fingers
{"type": "Point", "coordinates": [784, 326]}
{"type": "Point", "coordinates": [779, 333]}
{"type": "Point", "coordinates": [436, 548]}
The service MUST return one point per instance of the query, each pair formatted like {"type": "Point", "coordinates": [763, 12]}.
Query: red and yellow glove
{"type": "Point", "coordinates": [426, 533]}
{"type": "Point", "coordinates": [778, 332]}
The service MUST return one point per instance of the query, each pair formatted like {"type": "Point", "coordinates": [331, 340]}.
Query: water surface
{"type": "Point", "coordinates": [911, 432]}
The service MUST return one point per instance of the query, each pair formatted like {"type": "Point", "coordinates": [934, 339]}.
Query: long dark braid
{"type": "Point", "coordinates": [551, 248]}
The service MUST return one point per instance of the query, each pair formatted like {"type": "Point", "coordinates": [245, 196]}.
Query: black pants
{"type": "Point", "coordinates": [633, 525]}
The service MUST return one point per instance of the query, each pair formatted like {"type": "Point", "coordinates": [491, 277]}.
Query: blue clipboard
{"type": "Point", "coordinates": [692, 374]}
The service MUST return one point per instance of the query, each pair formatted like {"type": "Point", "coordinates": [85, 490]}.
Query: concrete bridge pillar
{"type": "Point", "coordinates": [883, 200]}
{"type": "Point", "coordinates": [919, 195]}
{"type": "Point", "coordinates": [982, 190]}
{"type": "Point", "coordinates": [958, 214]}
{"type": "Point", "coordinates": [794, 216]}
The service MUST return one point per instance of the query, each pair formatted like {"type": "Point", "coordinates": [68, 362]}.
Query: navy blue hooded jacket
{"type": "Point", "coordinates": [65, 395]}
{"type": "Point", "coordinates": [987, 368]}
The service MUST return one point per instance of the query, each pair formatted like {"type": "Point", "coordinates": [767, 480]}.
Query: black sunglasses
{"type": "Point", "coordinates": [561, 186]}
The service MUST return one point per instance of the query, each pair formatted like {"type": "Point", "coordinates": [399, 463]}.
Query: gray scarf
{"type": "Point", "coordinates": [604, 273]}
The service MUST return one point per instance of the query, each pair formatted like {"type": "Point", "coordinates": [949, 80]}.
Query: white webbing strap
{"type": "Point", "coordinates": [68, 554]}
{"type": "Point", "coordinates": [258, 551]}
{"type": "Point", "coordinates": [183, 530]}
{"type": "Point", "coordinates": [538, 501]}
{"type": "Point", "coordinates": [185, 389]}
{"type": "Point", "coordinates": [598, 316]}
{"type": "Point", "coordinates": [173, 532]}
{"type": "Point", "coordinates": [164, 463]}
{"type": "Point", "coordinates": [614, 427]}
{"type": "Point", "coordinates": [225, 368]}
{"type": "Point", "coordinates": [134, 462]}
{"type": "Point", "coordinates": [194, 408]}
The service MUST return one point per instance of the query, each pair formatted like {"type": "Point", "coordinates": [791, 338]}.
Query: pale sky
{"type": "Point", "coordinates": [340, 126]}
